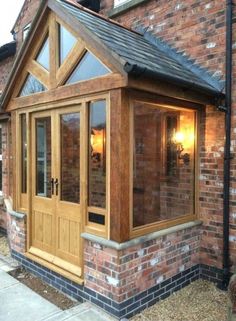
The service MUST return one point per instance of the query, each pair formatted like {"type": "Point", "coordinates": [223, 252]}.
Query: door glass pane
{"type": "Point", "coordinates": [43, 157]}
{"type": "Point", "coordinates": [97, 155]}
{"type": "Point", "coordinates": [88, 67]}
{"type": "Point", "coordinates": [67, 42]}
{"type": "Point", "coordinates": [43, 56]}
{"type": "Point", "coordinates": [70, 157]}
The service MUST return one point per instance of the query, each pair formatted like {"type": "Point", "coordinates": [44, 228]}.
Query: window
{"type": "Point", "coordinates": [70, 157]}
{"type": "Point", "coordinates": [44, 157]}
{"type": "Point", "coordinates": [88, 67]}
{"type": "Point", "coordinates": [31, 86]}
{"type": "Point", "coordinates": [97, 162]}
{"type": "Point", "coordinates": [97, 157]}
{"type": "Point", "coordinates": [163, 164]}
{"type": "Point", "coordinates": [118, 3]}
{"type": "Point", "coordinates": [23, 154]}
{"type": "Point", "coordinates": [26, 30]}
{"type": "Point", "coordinates": [43, 55]}
{"type": "Point", "coordinates": [66, 43]}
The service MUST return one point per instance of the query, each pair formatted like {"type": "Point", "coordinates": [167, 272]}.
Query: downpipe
{"type": "Point", "coordinates": [227, 154]}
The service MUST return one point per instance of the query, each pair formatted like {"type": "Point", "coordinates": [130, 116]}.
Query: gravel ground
{"type": "Point", "coordinates": [200, 301]}
{"type": "Point", "coordinates": [4, 248]}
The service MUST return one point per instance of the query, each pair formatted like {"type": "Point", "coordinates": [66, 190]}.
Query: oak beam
{"type": "Point", "coordinates": [120, 169]}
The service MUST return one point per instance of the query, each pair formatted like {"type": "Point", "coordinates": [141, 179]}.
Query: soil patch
{"type": "Point", "coordinates": [43, 289]}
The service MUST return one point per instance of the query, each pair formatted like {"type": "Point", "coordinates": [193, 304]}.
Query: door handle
{"type": "Point", "coordinates": [52, 185]}
{"type": "Point", "coordinates": [56, 184]}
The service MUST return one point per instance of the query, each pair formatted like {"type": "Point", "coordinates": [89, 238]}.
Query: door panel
{"type": "Point", "coordinates": [42, 202]}
{"type": "Point", "coordinates": [68, 202]}
{"type": "Point", "coordinates": [56, 187]}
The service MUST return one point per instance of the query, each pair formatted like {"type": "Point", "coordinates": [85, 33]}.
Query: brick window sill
{"type": "Point", "coordinates": [141, 239]}
{"type": "Point", "coordinates": [124, 7]}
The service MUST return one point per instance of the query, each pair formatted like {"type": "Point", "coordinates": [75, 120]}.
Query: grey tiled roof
{"type": "Point", "coordinates": [134, 49]}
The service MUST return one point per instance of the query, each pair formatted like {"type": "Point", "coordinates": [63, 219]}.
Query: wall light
{"type": "Point", "coordinates": [179, 139]}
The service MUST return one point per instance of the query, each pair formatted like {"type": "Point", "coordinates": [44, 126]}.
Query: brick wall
{"type": "Point", "coordinates": [211, 188]}
{"type": "Point", "coordinates": [119, 275]}
{"type": "Point", "coordinates": [5, 67]}
{"type": "Point", "coordinates": [16, 232]}
{"type": "Point", "coordinates": [196, 29]}
{"type": "Point", "coordinates": [26, 16]}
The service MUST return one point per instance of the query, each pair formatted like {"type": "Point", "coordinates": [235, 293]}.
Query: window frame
{"type": "Point", "coordinates": [22, 198]}
{"type": "Point", "coordinates": [25, 31]}
{"type": "Point", "coordinates": [92, 227]}
{"type": "Point", "coordinates": [157, 226]}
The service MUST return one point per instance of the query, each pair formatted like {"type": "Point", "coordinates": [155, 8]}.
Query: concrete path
{"type": "Point", "coordinates": [19, 303]}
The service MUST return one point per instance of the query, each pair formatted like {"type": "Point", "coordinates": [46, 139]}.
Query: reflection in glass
{"type": "Point", "coordinates": [23, 154]}
{"type": "Point", "coordinates": [66, 43]}
{"type": "Point", "coordinates": [88, 67]}
{"type": "Point", "coordinates": [70, 157]}
{"type": "Point", "coordinates": [43, 157]}
{"type": "Point", "coordinates": [31, 86]}
{"type": "Point", "coordinates": [97, 155]}
{"type": "Point", "coordinates": [163, 166]}
{"type": "Point", "coordinates": [43, 56]}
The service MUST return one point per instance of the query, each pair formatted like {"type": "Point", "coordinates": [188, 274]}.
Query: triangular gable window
{"type": "Point", "coordinates": [43, 55]}
{"type": "Point", "coordinates": [31, 86]}
{"type": "Point", "coordinates": [66, 43]}
{"type": "Point", "coordinates": [88, 67]}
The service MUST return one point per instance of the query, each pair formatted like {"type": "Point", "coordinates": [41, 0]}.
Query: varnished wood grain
{"type": "Point", "coordinates": [119, 171]}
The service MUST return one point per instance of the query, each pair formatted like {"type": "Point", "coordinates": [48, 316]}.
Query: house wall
{"type": "Point", "coordinates": [26, 15]}
{"type": "Point", "coordinates": [5, 67]}
{"type": "Point", "coordinates": [196, 29]}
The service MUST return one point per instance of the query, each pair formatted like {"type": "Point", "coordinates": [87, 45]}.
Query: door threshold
{"type": "Point", "coordinates": [55, 268]}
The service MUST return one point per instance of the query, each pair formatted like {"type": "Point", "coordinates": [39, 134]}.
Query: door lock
{"type": "Point", "coordinates": [56, 184]}
{"type": "Point", "coordinates": [52, 185]}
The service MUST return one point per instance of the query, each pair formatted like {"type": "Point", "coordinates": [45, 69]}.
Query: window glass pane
{"type": "Point", "coordinates": [88, 67]}
{"type": "Point", "coordinates": [70, 157]}
{"type": "Point", "coordinates": [97, 154]}
{"type": "Point", "coordinates": [23, 154]}
{"type": "Point", "coordinates": [43, 56]}
{"type": "Point", "coordinates": [66, 43]}
{"type": "Point", "coordinates": [163, 165]}
{"type": "Point", "coordinates": [31, 86]}
{"type": "Point", "coordinates": [43, 157]}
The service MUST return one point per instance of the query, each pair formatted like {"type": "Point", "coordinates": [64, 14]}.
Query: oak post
{"type": "Point", "coordinates": [119, 171]}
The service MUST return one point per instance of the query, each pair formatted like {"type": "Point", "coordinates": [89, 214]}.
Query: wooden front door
{"type": "Point", "coordinates": [57, 154]}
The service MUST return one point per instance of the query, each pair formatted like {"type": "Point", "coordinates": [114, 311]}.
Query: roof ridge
{"type": "Point", "coordinates": [185, 60]}
{"type": "Point", "coordinates": [98, 15]}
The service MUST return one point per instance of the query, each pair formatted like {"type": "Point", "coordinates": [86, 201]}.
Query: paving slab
{"type": "Point", "coordinates": [19, 303]}
{"type": "Point", "coordinates": [82, 312]}
{"type": "Point", "coordinates": [6, 281]}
